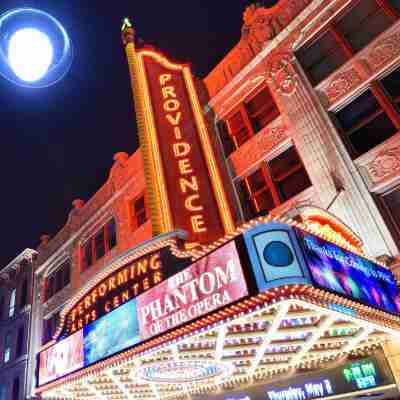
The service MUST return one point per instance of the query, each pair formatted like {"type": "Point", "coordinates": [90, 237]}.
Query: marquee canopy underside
{"type": "Point", "coordinates": [287, 334]}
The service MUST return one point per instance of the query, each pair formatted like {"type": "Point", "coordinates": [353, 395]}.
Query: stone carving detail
{"type": "Point", "coordinates": [281, 72]}
{"type": "Point", "coordinates": [386, 163]}
{"type": "Point", "coordinates": [384, 50]}
{"type": "Point", "coordinates": [262, 23]}
{"type": "Point", "coordinates": [257, 148]}
{"type": "Point", "coordinates": [341, 84]}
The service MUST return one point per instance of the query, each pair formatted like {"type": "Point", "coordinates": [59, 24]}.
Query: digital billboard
{"type": "Point", "coordinates": [64, 357]}
{"type": "Point", "coordinates": [208, 284]}
{"type": "Point", "coordinates": [115, 332]}
{"type": "Point", "coordinates": [352, 376]}
{"type": "Point", "coordinates": [348, 274]}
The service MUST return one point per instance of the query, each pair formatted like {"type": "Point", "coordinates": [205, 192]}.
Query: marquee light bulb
{"type": "Point", "coordinates": [30, 54]}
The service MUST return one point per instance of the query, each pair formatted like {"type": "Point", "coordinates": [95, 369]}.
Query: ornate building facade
{"type": "Point", "coordinates": [297, 125]}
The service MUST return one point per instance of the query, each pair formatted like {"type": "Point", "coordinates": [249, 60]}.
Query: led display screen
{"type": "Point", "coordinates": [208, 284]}
{"type": "Point", "coordinates": [115, 332]}
{"type": "Point", "coordinates": [61, 359]}
{"type": "Point", "coordinates": [366, 373]}
{"type": "Point", "coordinates": [348, 274]}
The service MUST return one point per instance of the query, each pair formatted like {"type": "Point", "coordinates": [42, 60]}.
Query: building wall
{"type": "Point", "coordinates": [268, 54]}
{"type": "Point", "coordinates": [113, 200]}
{"type": "Point", "coordinates": [15, 324]}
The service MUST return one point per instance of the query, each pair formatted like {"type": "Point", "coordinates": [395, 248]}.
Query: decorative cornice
{"type": "Point", "coordinates": [27, 254]}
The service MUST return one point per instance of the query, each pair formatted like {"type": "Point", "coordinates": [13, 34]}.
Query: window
{"type": "Point", "coordinates": [346, 35]}
{"type": "Point", "coordinates": [247, 120]}
{"type": "Point", "coordinates": [20, 342]}
{"type": "Point", "coordinates": [15, 388]}
{"type": "Point", "coordinates": [274, 182]}
{"type": "Point", "coordinates": [58, 279]}
{"type": "Point", "coordinates": [49, 327]}
{"type": "Point", "coordinates": [7, 347]}
{"type": "Point", "coordinates": [372, 117]}
{"type": "Point", "coordinates": [24, 293]}
{"type": "Point", "coordinates": [1, 307]}
{"type": "Point", "coordinates": [2, 391]}
{"type": "Point", "coordinates": [98, 245]}
{"type": "Point", "coordinates": [391, 204]}
{"type": "Point", "coordinates": [139, 212]}
{"type": "Point", "coordinates": [11, 309]}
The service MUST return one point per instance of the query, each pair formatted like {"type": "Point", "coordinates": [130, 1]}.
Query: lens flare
{"type": "Point", "coordinates": [35, 49]}
{"type": "Point", "coordinates": [30, 54]}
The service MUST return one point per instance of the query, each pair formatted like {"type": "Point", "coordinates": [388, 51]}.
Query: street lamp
{"type": "Point", "coordinates": [35, 50]}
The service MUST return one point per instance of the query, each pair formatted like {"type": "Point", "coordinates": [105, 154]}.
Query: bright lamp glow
{"type": "Point", "coordinates": [30, 54]}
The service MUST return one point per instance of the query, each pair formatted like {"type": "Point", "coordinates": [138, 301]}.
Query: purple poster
{"type": "Point", "coordinates": [348, 274]}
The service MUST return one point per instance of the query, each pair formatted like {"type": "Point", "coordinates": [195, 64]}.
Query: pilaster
{"type": "Point", "coordinates": [337, 183]}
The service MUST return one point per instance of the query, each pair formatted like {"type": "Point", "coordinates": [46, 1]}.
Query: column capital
{"type": "Point", "coordinates": [281, 72]}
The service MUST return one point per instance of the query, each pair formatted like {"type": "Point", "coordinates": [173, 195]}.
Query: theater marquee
{"type": "Point", "coordinates": [184, 183]}
{"type": "Point", "coordinates": [119, 287]}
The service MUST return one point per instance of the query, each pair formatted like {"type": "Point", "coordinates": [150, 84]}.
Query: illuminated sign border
{"type": "Point", "coordinates": [229, 280]}
{"type": "Point", "coordinates": [159, 201]}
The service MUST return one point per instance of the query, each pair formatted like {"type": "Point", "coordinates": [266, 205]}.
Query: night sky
{"type": "Point", "coordinates": [58, 142]}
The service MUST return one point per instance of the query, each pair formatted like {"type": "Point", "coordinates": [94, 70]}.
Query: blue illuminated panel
{"type": "Point", "coordinates": [350, 275]}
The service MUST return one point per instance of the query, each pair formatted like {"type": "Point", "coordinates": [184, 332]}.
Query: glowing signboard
{"type": "Point", "coordinates": [122, 285]}
{"type": "Point", "coordinates": [186, 155]}
{"type": "Point", "coordinates": [349, 377]}
{"type": "Point", "coordinates": [348, 274]}
{"type": "Point", "coordinates": [61, 359]}
{"type": "Point", "coordinates": [207, 285]}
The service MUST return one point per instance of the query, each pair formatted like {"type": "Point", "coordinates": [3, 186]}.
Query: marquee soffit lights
{"type": "Point", "coordinates": [269, 330]}
{"type": "Point", "coordinates": [35, 49]}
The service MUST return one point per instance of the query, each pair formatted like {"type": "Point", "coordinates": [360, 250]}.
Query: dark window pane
{"type": "Point", "coordinates": [248, 208]}
{"type": "Point", "coordinates": [392, 84]}
{"type": "Point", "coordinates": [112, 234]}
{"type": "Point", "coordinates": [322, 57]}
{"type": "Point", "coordinates": [363, 23]}
{"type": "Point", "coordinates": [24, 293]}
{"type": "Point", "coordinates": [15, 389]}
{"type": "Point", "coordinates": [50, 289]}
{"type": "Point", "coordinates": [395, 4]}
{"type": "Point", "coordinates": [261, 109]}
{"type": "Point", "coordinates": [265, 201]}
{"type": "Point", "coordinates": [67, 273]}
{"type": "Point", "coordinates": [99, 244]}
{"type": "Point", "coordinates": [288, 174]}
{"type": "Point", "coordinates": [139, 210]}
{"type": "Point", "coordinates": [371, 134]}
{"type": "Point", "coordinates": [87, 255]}
{"type": "Point", "coordinates": [361, 108]}
{"type": "Point", "coordinates": [59, 279]}
{"type": "Point", "coordinates": [20, 341]}
{"type": "Point", "coordinates": [294, 184]}
{"type": "Point", "coordinates": [226, 139]}
{"type": "Point", "coordinates": [392, 202]}
{"type": "Point", "coordinates": [139, 205]}
{"type": "Point", "coordinates": [238, 128]}
{"type": "Point", "coordinates": [256, 181]}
